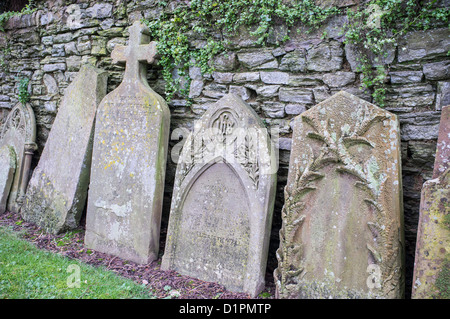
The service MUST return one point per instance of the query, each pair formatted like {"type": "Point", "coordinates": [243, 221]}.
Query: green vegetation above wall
{"type": "Point", "coordinates": [371, 28]}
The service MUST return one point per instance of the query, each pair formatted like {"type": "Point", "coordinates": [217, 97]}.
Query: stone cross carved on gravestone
{"type": "Point", "coordinates": [135, 53]}
{"type": "Point", "coordinates": [129, 159]}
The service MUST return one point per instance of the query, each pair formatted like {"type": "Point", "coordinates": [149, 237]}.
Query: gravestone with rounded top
{"type": "Point", "coordinates": [129, 160]}
{"type": "Point", "coordinates": [56, 194]}
{"type": "Point", "coordinates": [342, 224]}
{"type": "Point", "coordinates": [223, 199]}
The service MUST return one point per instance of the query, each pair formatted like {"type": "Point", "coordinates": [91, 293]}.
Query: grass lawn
{"type": "Point", "coordinates": [28, 272]}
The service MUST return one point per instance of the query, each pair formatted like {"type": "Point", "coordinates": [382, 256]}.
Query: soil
{"type": "Point", "coordinates": [71, 245]}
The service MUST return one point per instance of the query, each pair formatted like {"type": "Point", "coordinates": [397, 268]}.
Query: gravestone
{"type": "Point", "coordinates": [223, 197]}
{"type": "Point", "coordinates": [129, 160]}
{"type": "Point", "coordinates": [19, 132]}
{"type": "Point", "coordinates": [342, 224]}
{"type": "Point", "coordinates": [442, 159]}
{"type": "Point", "coordinates": [7, 169]}
{"type": "Point", "coordinates": [56, 194]}
{"type": "Point", "coordinates": [432, 258]}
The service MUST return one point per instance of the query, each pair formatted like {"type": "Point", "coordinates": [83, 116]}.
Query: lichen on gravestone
{"type": "Point", "coordinates": [342, 221]}
{"type": "Point", "coordinates": [129, 159]}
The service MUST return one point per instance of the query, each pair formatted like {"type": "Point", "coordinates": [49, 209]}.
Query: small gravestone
{"type": "Point", "coordinates": [7, 169]}
{"type": "Point", "coordinates": [432, 259]}
{"type": "Point", "coordinates": [56, 194]}
{"type": "Point", "coordinates": [342, 228]}
{"type": "Point", "coordinates": [19, 132]}
{"type": "Point", "coordinates": [223, 199]}
{"type": "Point", "coordinates": [129, 160]}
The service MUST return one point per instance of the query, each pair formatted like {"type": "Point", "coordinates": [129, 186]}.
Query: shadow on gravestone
{"type": "Point", "coordinates": [223, 199]}
{"type": "Point", "coordinates": [129, 160]}
{"type": "Point", "coordinates": [56, 194]}
{"type": "Point", "coordinates": [432, 257]}
{"type": "Point", "coordinates": [19, 132]}
{"type": "Point", "coordinates": [342, 221]}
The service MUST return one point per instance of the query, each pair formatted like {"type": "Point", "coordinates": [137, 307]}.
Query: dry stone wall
{"type": "Point", "coordinates": [279, 82]}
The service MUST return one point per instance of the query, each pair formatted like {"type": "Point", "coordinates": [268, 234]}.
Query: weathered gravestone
{"type": "Point", "coordinates": [129, 160]}
{"type": "Point", "coordinates": [7, 169]}
{"type": "Point", "coordinates": [223, 199]}
{"type": "Point", "coordinates": [342, 228]}
{"type": "Point", "coordinates": [56, 194]}
{"type": "Point", "coordinates": [19, 132]}
{"type": "Point", "coordinates": [432, 259]}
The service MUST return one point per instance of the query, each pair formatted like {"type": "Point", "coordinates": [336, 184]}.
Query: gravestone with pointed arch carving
{"type": "Point", "coordinates": [342, 221]}
{"type": "Point", "coordinates": [129, 160]}
{"type": "Point", "coordinates": [19, 132]}
{"type": "Point", "coordinates": [223, 199]}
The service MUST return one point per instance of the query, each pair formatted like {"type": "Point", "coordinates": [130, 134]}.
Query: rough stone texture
{"type": "Point", "coordinates": [56, 194]}
{"type": "Point", "coordinates": [325, 57]}
{"type": "Point", "coordinates": [223, 199]}
{"type": "Point", "coordinates": [424, 44]}
{"type": "Point", "coordinates": [129, 160]}
{"type": "Point", "coordinates": [433, 239]}
{"type": "Point", "coordinates": [442, 160]}
{"type": "Point", "coordinates": [437, 70]}
{"type": "Point", "coordinates": [432, 254]}
{"type": "Point", "coordinates": [19, 132]}
{"type": "Point", "coordinates": [7, 169]}
{"type": "Point", "coordinates": [342, 221]}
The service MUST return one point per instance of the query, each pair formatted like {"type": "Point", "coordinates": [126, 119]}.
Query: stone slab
{"type": "Point", "coordinates": [342, 221]}
{"type": "Point", "coordinates": [7, 169]}
{"type": "Point", "coordinates": [442, 159]}
{"type": "Point", "coordinates": [432, 258]}
{"type": "Point", "coordinates": [56, 194]}
{"type": "Point", "coordinates": [129, 160]}
{"type": "Point", "coordinates": [223, 199]}
{"type": "Point", "coordinates": [19, 132]}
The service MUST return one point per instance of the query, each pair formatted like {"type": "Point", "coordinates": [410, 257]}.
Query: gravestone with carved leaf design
{"type": "Point", "coordinates": [129, 160]}
{"type": "Point", "coordinates": [223, 199]}
{"type": "Point", "coordinates": [342, 221]}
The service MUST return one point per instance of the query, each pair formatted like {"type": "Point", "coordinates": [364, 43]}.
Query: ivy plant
{"type": "Point", "coordinates": [212, 22]}
{"type": "Point", "coordinates": [372, 27]}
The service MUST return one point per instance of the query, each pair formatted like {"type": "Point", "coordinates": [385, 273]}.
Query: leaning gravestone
{"type": "Point", "coordinates": [56, 194]}
{"type": "Point", "coordinates": [342, 228]}
{"type": "Point", "coordinates": [7, 169]}
{"type": "Point", "coordinates": [19, 132]}
{"type": "Point", "coordinates": [223, 199]}
{"type": "Point", "coordinates": [129, 160]}
{"type": "Point", "coordinates": [432, 259]}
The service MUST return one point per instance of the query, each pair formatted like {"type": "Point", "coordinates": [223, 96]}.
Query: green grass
{"type": "Point", "coordinates": [28, 272]}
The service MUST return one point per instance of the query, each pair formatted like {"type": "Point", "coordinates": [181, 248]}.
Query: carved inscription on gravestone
{"type": "Point", "coordinates": [129, 160]}
{"type": "Point", "coordinates": [342, 230]}
{"type": "Point", "coordinates": [223, 199]}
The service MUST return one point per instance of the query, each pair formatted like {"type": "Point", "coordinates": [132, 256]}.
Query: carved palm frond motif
{"type": "Point", "coordinates": [335, 151]}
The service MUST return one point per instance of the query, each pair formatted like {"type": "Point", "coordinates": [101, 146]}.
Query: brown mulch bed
{"type": "Point", "coordinates": [161, 283]}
